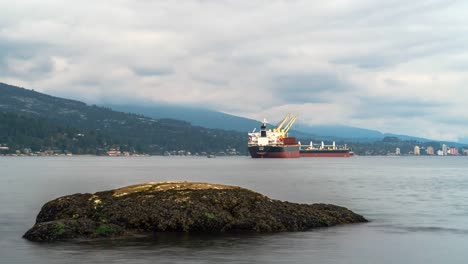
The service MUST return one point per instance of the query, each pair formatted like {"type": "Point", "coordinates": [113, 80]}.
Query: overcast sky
{"type": "Point", "coordinates": [396, 66]}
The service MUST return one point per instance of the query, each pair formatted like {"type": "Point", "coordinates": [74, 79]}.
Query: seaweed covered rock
{"type": "Point", "coordinates": [178, 207]}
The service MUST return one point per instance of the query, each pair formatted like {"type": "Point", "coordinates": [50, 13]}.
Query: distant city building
{"type": "Point", "coordinates": [114, 152]}
{"type": "Point", "coordinates": [397, 151]}
{"type": "Point", "coordinates": [27, 151]}
{"type": "Point", "coordinates": [453, 151]}
{"type": "Point", "coordinates": [430, 150]}
{"type": "Point", "coordinates": [422, 151]}
{"type": "Point", "coordinates": [417, 150]}
{"type": "Point", "coordinates": [444, 149]}
{"type": "Point", "coordinates": [440, 153]}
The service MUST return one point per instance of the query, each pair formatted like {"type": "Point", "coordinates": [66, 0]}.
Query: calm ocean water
{"type": "Point", "coordinates": [418, 207]}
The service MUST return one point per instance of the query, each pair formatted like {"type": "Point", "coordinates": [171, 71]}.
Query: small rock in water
{"type": "Point", "coordinates": [178, 207]}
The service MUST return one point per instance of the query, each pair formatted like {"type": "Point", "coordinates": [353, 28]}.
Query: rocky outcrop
{"type": "Point", "coordinates": [178, 207]}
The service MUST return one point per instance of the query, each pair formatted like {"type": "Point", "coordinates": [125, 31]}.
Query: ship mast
{"type": "Point", "coordinates": [263, 132]}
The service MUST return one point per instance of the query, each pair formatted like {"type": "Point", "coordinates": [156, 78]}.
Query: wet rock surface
{"type": "Point", "coordinates": [178, 207]}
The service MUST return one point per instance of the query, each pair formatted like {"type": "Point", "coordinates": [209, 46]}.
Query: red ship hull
{"type": "Point", "coordinates": [330, 155]}
{"type": "Point", "coordinates": [326, 153]}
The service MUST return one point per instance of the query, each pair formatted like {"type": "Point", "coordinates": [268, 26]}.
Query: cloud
{"type": "Point", "coordinates": [395, 65]}
{"type": "Point", "coordinates": [309, 88]}
{"type": "Point", "coordinates": [148, 71]}
{"type": "Point", "coordinates": [16, 49]}
{"type": "Point", "coordinates": [392, 107]}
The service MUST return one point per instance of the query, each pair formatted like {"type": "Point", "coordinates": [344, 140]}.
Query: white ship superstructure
{"type": "Point", "coordinates": [272, 137]}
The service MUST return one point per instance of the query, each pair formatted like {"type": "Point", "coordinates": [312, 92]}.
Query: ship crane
{"type": "Point", "coordinates": [333, 146]}
{"type": "Point", "coordinates": [278, 129]}
{"type": "Point", "coordinates": [288, 126]}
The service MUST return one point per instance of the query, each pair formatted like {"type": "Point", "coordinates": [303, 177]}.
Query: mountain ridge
{"type": "Point", "coordinates": [134, 132]}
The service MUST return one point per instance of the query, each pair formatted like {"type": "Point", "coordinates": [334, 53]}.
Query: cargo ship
{"type": "Point", "coordinates": [274, 143]}
{"type": "Point", "coordinates": [323, 150]}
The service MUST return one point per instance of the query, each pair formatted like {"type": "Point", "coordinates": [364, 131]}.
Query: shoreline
{"type": "Point", "coordinates": [104, 156]}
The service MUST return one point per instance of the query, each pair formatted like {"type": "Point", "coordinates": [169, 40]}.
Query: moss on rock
{"type": "Point", "coordinates": [107, 230]}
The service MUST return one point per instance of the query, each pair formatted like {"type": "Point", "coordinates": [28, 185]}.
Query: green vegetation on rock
{"type": "Point", "coordinates": [210, 215]}
{"type": "Point", "coordinates": [59, 229]}
{"type": "Point", "coordinates": [107, 230]}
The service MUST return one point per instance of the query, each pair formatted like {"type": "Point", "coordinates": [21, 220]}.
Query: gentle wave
{"type": "Point", "coordinates": [418, 229]}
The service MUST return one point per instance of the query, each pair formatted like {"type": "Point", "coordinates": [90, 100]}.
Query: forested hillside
{"type": "Point", "coordinates": [39, 121]}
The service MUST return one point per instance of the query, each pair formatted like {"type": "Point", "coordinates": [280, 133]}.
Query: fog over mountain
{"type": "Point", "coordinates": [391, 66]}
{"type": "Point", "coordinates": [218, 120]}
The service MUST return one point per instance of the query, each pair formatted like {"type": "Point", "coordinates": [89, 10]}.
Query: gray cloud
{"type": "Point", "coordinates": [308, 88]}
{"type": "Point", "coordinates": [22, 60]}
{"type": "Point", "coordinates": [146, 71]}
{"type": "Point", "coordinates": [15, 49]}
{"type": "Point", "coordinates": [406, 52]}
{"type": "Point", "coordinates": [382, 108]}
{"type": "Point", "coordinates": [215, 82]}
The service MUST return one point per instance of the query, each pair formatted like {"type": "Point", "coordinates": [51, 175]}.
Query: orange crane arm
{"type": "Point", "coordinates": [282, 122]}
{"type": "Point", "coordinates": [289, 125]}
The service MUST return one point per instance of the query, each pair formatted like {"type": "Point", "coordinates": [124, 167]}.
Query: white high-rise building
{"type": "Point", "coordinates": [444, 150]}
{"type": "Point", "coordinates": [417, 150]}
{"type": "Point", "coordinates": [397, 151]}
